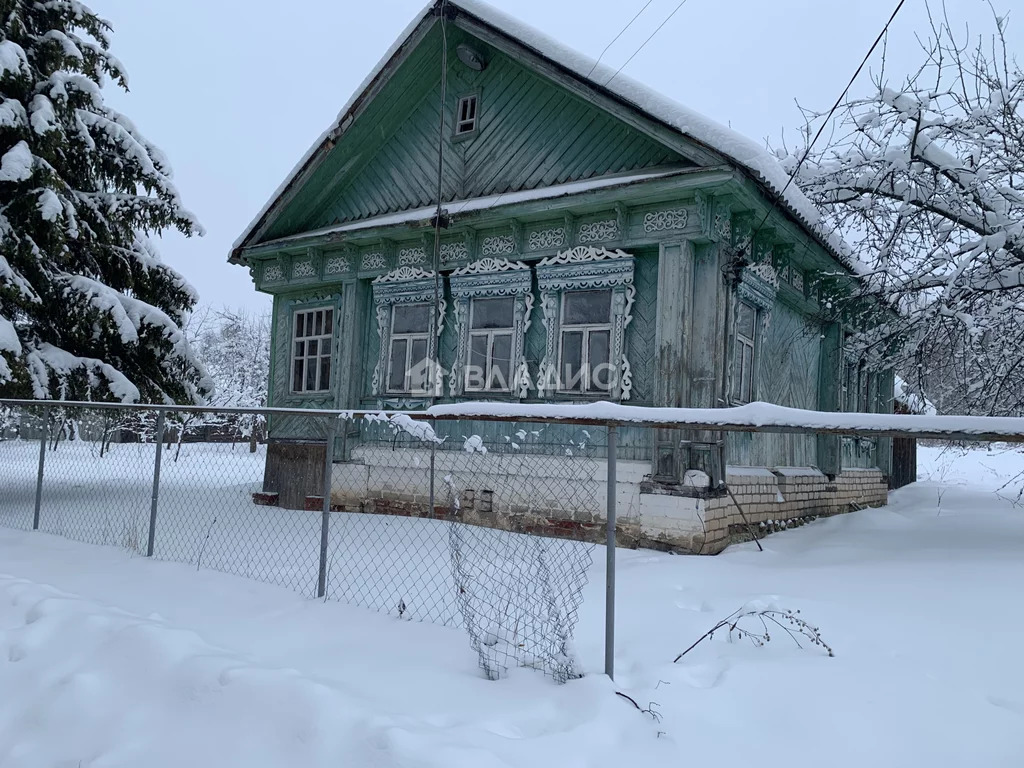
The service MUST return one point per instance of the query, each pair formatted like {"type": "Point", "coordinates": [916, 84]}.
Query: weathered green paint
{"type": "Point", "coordinates": [538, 129]}
{"type": "Point", "coordinates": [531, 134]}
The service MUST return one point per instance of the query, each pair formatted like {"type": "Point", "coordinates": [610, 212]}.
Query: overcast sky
{"type": "Point", "coordinates": [235, 91]}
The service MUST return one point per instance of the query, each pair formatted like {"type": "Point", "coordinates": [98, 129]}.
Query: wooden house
{"type": "Point", "coordinates": [597, 241]}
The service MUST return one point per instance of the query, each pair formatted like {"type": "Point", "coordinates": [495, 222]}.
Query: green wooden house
{"type": "Point", "coordinates": [597, 241]}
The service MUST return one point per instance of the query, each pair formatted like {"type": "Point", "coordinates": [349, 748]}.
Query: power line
{"type": "Point", "coordinates": [645, 42]}
{"type": "Point", "coordinates": [828, 118]}
{"type": "Point", "coordinates": [621, 33]}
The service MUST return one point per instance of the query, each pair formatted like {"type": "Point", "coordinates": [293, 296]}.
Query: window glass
{"type": "Point", "coordinates": [597, 360]}
{"type": "Point", "coordinates": [493, 313]}
{"type": "Point", "coordinates": [411, 318]}
{"type": "Point", "coordinates": [586, 307]}
{"type": "Point", "coordinates": [396, 375]}
{"type": "Point", "coordinates": [501, 362]}
{"type": "Point", "coordinates": [745, 319]}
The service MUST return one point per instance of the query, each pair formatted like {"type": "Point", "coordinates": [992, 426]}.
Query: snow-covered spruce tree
{"type": "Point", "coordinates": [925, 178]}
{"type": "Point", "coordinates": [87, 310]}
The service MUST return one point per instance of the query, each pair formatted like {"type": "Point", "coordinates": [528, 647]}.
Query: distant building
{"type": "Point", "coordinates": [599, 244]}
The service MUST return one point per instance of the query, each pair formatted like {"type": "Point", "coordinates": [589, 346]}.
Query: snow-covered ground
{"type": "Point", "coordinates": [110, 659]}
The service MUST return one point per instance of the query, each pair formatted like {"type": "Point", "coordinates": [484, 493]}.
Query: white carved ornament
{"type": "Point", "coordinates": [581, 254]}
{"type": "Point", "coordinates": [453, 252]}
{"type": "Point", "coordinates": [597, 231]}
{"type": "Point", "coordinates": [673, 218]}
{"type": "Point", "coordinates": [273, 273]}
{"type": "Point", "coordinates": [412, 256]}
{"type": "Point", "coordinates": [374, 260]}
{"type": "Point", "coordinates": [403, 273]}
{"type": "Point", "coordinates": [547, 238]}
{"type": "Point", "coordinates": [337, 265]}
{"type": "Point", "coordinates": [488, 265]}
{"type": "Point", "coordinates": [498, 245]}
{"type": "Point", "coordinates": [303, 269]}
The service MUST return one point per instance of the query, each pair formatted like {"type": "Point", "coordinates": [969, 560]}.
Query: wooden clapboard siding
{"type": "Point", "coordinates": [533, 133]}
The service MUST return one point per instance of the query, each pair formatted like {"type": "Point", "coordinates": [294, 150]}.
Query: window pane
{"type": "Point", "coordinates": [601, 374]}
{"type": "Point", "coordinates": [297, 375]}
{"type": "Point", "coordinates": [570, 369]}
{"type": "Point", "coordinates": [299, 348]}
{"type": "Point", "coordinates": [584, 307]}
{"type": "Point", "coordinates": [493, 313]}
{"type": "Point", "coordinates": [478, 353]}
{"type": "Point", "coordinates": [418, 369]}
{"type": "Point", "coordinates": [411, 318]}
{"type": "Point", "coordinates": [310, 385]}
{"type": "Point", "coordinates": [325, 373]}
{"type": "Point", "coordinates": [745, 320]}
{"type": "Point", "coordinates": [396, 373]}
{"type": "Point", "coordinates": [312, 348]}
{"type": "Point", "coordinates": [309, 323]}
{"type": "Point", "coordinates": [328, 321]}
{"type": "Point", "coordinates": [318, 323]}
{"type": "Point", "coordinates": [299, 325]}
{"type": "Point", "coordinates": [501, 362]}
{"type": "Point", "coordinates": [747, 373]}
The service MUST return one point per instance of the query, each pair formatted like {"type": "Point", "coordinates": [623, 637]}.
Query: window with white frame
{"type": "Point", "coordinates": [585, 349]}
{"type": "Point", "coordinates": [489, 367]}
{"type": "Point", "coordinates": [312, 343]}
{"type": "Point", "coordinates": [408, 355]}
{"type": "Point", "coordinates": [466, 115]}
{"type": "Point", "coordinates": [744, 352]}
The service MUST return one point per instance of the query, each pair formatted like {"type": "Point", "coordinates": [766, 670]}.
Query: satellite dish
{"type": "Point", "coordinates": [471, 57]}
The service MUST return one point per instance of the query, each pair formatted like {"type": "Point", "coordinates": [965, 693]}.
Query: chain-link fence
{"type": "Point", "coordinates": [488, 533]}
{"type": "Point", "coordinates": [487, 523]}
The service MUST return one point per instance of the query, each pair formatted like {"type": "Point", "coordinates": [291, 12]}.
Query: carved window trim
{"type": "Point", "coordinates": [581, 268]}
{"type": "Point", "coordinates": [492, 278]}
{"type": "Point", "coordinates": [406, 285]}
{"type": "Point", "coordinates": [304, 333]}
{"type": "Point", "coordinates": [757, 288]}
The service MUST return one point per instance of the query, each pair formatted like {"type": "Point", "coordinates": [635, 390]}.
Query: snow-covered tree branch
{"type": "Point", "coordinates": [925, 178]}
{"type": "Point", "coordinates": [87, 309]}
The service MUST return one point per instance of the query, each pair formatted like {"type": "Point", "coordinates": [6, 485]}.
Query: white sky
{"type": "Point", "coordinates": [235, 91]}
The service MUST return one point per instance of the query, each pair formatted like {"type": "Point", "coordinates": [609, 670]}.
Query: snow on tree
{"type": "Point", "coordinates": [87, 309]}
{"type": "Point", "coordinates": [926, 179]}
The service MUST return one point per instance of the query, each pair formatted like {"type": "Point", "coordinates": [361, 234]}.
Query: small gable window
{"type": "Point", "coordinates": [466, 115]}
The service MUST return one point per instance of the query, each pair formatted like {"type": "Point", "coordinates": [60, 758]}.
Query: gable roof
{"type": "Point", "coordinates": [721, 140]}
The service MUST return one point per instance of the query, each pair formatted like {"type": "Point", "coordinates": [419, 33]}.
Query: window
{"type": "Point", "coordinates": [585, 351]}
{"type": "Point", "coordinates": [489, 367]}
{"type": "Point", "coordinates": [311, 350]}
{"type": "Point", "coordinates": [465, 115]}
{"type": "Point", "coordinates": [408, 365]}
{"type": "Point", "coordinates": [743, 350]}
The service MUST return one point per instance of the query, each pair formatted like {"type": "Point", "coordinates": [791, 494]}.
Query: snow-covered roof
{"type": "Point", "coordinates": [742, 150]}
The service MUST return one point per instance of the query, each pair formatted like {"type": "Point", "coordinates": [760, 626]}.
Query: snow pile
{"type": "Point", "coordinates": [160, 664]}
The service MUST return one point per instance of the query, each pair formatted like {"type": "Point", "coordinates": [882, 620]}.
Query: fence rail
{"type": "Point", "coordinates": [403, 514]}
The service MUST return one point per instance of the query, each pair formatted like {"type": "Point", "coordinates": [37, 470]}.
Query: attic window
{"type": "Point", "coordinates": [465, 115]}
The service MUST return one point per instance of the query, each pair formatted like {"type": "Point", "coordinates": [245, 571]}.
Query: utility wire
{"type": "Point", "coordinates": [828, 118]}
{"type": "Point", "coordinates": [621, 33]}
{"type": "Point", "coordinates": [645, 42]}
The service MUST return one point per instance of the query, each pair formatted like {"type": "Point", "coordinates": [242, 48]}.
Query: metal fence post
{"type": "Point", "coordinates": [609, 594]}
{"type": "Point", "coordinates": [43, 436]}
{"type": "Point", "coordinates": [156, 483]}
{"type": "Point", "coordinates": [325, 519]}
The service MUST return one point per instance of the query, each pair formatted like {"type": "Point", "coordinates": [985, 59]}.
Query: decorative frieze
{"type": "Point", "coordinates": [301, 269]}
{"type": "Point", "coordinates": [374, 260]}
{"type": "Point", "coordinates": [273, 273]}
{"type": "Point", "coordinates": [543, 239]}
{"type": "Point", "coordinates": [337, 265]}
{"type": "Point", "coordinates": [498, 245]}
{"type": "Point", "coordinates": [453, 252]}
{"type": "Point", "coordinates": [408, 256]}
{"type": "Point", "coordinates": [598, 231]}
{"type": "Point", "coordinates": [659, 221]}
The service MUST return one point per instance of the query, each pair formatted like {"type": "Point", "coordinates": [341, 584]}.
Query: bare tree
{"type": "Point", "coordinates": [925, 179]}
